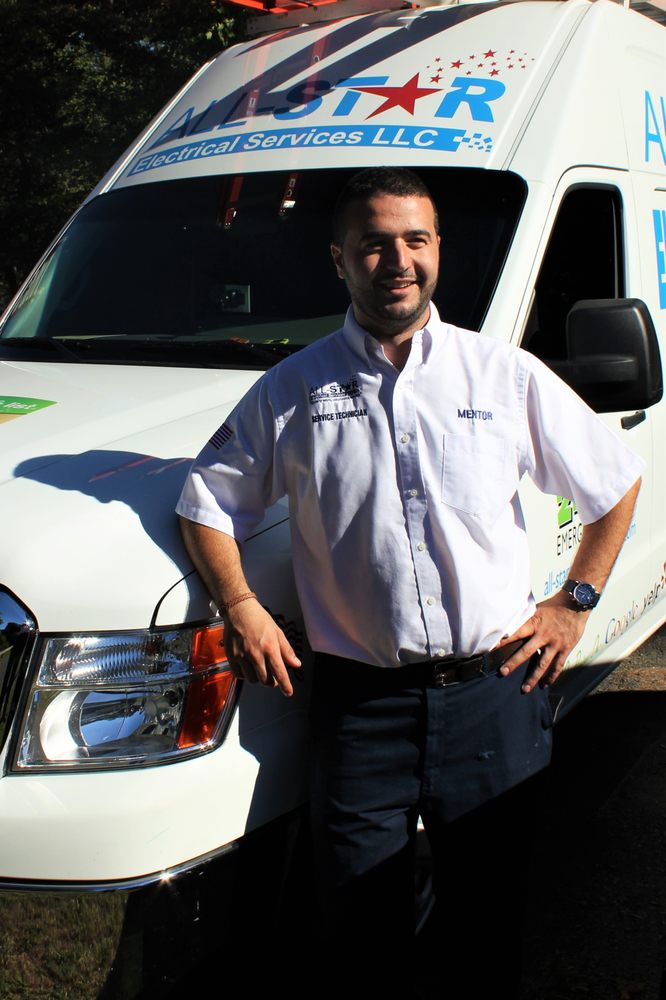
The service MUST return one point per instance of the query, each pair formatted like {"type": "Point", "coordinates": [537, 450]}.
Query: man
{"type": "Point", "coordinates": [400, 442]}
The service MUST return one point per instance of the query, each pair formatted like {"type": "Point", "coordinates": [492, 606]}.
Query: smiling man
{"type": "Point", "coordinates": [400, 442]}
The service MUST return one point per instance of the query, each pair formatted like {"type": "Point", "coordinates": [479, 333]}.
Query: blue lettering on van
{"type": "Point", "coordinates": [477, 93]}
{"type": "Point", "coordinates": [472, 94]}
{"type": "Point", "coordinates": [655, 127]}
{"type": "Point", "coordinates": [351, 96]}
{"type": "Point", "coordinates": [447, 140]}
{"type": "Point", "coordinates": [305, 98]}
{"type": "Point", "coordinates": [659, 218]}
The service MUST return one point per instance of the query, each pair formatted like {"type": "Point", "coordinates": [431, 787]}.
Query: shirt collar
{"type": "Point", "coordinates": [363, 343]}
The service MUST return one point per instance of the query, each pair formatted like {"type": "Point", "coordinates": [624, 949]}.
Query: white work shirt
{"type": "Point", "coordinates": [408, 537]}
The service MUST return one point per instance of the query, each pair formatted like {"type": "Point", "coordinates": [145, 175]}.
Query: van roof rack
{"type": "Point", "coordinates": [276, 15]}
{"type": "Point", "coordinates": [293, 13]}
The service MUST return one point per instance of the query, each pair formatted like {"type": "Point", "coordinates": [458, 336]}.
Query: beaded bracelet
{"type": "Point", "coordinates": [236, 600]}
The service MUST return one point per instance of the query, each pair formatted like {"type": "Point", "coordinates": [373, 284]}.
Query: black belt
{"type": "Point", "coordinates": [433, 673]}
{"type": "Point", "coordinates": [457, 670]}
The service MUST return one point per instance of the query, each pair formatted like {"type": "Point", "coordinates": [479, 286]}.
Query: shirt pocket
{"type": "Point", "coordinates": [475, 475]}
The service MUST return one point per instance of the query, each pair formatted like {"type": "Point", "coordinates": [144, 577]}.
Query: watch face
{"type": "Point", "coordinates": [585, 594]}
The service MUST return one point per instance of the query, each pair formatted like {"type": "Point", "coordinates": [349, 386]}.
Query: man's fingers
{"type": "Point", "coordinates": [287, 651]}
{"type": "Point", "coordinates": [527, 629]}
{"type": "Point", "coordinates": [552, 632]}
{"type": "Point", "coordinates": [267, 670]}
{"type": "Point", "coordinates": [546, 671]}
{"type": "Point", "coordinates": [279, 676]}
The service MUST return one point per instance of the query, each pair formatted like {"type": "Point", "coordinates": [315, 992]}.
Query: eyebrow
{"type": "Point", "coordinates": [373, 234]}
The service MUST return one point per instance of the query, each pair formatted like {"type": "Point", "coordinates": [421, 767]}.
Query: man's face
{"type": "Point", "coordinates": [389, 259]}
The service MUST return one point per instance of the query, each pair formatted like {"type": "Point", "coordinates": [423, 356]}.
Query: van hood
{"type": "Point", "coordinates": [92, 462]}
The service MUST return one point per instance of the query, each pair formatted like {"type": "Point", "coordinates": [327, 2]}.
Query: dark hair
{"type": "Point", "coordinates": [365, 184]}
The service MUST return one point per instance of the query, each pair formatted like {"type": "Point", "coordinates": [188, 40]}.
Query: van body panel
{"type": "Point", "coordinates": [111, 450]}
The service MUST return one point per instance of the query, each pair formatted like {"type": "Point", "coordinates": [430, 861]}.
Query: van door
{"type": "Point", "coordinates": [589, 251]}
{"type": "Point", "coordinates": [650, 201]}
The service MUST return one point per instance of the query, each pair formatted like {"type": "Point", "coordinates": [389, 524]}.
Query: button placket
{"type": "Point", "coordinates": [416, 508]}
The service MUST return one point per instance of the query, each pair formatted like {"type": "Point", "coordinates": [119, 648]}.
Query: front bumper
{"type": "Point", "coordinates": [223, 919]}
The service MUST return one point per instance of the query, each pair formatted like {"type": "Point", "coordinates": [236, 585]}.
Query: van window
{"type": "Point", "coordinates": [584, 260]}
{"type": "Point", "coordinates": [235, 271]}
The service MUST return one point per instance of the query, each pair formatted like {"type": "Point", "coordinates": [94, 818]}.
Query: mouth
{"type": "Point", "coordinates": [397, 284]}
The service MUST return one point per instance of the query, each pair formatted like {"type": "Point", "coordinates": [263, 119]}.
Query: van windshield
{"type": "Point", "coordinates": [235, 271]}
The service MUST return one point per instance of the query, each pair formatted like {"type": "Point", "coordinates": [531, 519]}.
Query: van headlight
{"type": "Point", "coordinates": [126, 699]}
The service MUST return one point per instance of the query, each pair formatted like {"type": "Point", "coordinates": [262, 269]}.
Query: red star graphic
{"type": "Point", "coordinates": [435, 79]}
{"type": "Point", "coordinates": [489, 54]}
{"type": "Point", "coordinates": [456, 65]}
{"type": "Point", "coordinates": [472, 57]}
{"type": "Point", "coordinates": [438, 59]}
{"type": "Point", "coordinates": [494, 72]}
{"type": "Point", "coordinates": [510, 66]}
{"type": "Point", "coordinates": [398, 97]}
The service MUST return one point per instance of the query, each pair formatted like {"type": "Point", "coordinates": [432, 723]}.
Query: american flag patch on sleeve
{"type": "Point", "coordinates": [221, 436]}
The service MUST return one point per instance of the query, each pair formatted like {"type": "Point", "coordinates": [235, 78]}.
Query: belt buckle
{"type": "Point", "coordinates": [444, 675]}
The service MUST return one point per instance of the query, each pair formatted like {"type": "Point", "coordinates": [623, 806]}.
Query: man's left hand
{"type": "Point", "coordinates": [552, 632]}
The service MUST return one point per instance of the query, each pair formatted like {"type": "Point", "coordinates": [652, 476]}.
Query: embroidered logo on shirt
{"type": "Point", "coordinates": [335, 391]}
{"type": "Point", "coordinates": [221, 436]}
{"type": "Point", "coordinates": [317, 418]}
{"type": "Point", "coordinates": [474, 414]}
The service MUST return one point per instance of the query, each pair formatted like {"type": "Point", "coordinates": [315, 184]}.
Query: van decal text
{"type": "Point", "coordinates": [659, 219]}
{"type": "Point", "coordinates": [655, 128]}
{"type": "Point", "coordinates": [19, 406]}
{"type": "Point", "coordinates": [407, 136]}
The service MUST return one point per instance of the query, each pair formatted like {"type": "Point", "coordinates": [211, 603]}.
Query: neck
{"type": "Point", "coordinates": [397, 353]}
{"type": "Point", "coordinates": [396, 344]}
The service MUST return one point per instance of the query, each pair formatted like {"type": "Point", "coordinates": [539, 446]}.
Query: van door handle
{"type": "Point", "coordinates": [634, 420]}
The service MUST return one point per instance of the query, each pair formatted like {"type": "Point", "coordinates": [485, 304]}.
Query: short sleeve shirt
{"type": "Point", "coordinates": [408, 537]}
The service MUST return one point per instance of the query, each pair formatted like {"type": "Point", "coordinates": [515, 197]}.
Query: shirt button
{"type": "Point", "coordinates": [421, 546]}
{"type": "Point", "coordinates": [430, 601]}
{"type": "Point", "coordinates": [413, 493]}
{"type": "Point", "coordinates": [405, 438]}
{"type": "Point", "coordinates": [440, 652]}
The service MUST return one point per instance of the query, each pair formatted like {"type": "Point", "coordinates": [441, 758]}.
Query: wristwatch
{"type": "Point", "coordinates": [584, 595]}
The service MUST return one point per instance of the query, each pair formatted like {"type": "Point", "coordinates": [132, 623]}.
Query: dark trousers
{"type": "Point", "coordinates": [466, 758]}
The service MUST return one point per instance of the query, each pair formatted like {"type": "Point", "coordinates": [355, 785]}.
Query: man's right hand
{"type": "Point", "coordinates": [257, 648]}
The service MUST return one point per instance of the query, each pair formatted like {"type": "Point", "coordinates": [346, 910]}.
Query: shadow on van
{"type": "Point", "coordinates": [148, 485]}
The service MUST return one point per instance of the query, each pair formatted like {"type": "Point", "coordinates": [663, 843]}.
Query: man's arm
{"type": "Point", "coordinates": [556, 626]}
{"type": "Point", "coordinates": [256, 647]}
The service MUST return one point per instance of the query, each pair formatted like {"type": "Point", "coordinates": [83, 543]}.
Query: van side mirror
{"type": "Point", "coordinates": [613, 360]}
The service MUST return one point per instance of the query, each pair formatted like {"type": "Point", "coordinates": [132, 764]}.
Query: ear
{"type": "Point", "coordinates": [336, 254]}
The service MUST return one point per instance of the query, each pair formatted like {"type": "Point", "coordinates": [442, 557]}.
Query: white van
{"type": "Point", "coordinates": [129, 754]}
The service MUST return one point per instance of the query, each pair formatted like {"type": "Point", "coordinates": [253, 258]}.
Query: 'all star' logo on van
{"type": "Point", "coordinates": [429, 105]}
{"type": "Point", "coordinates": [443, 86]}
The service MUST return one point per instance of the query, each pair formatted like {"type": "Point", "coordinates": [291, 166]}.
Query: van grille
{"type": "Point", "coordinates": [17, 631]}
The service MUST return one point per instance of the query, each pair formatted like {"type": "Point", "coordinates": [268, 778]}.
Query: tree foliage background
{"type": "Point", "coordinates": [78, 81]}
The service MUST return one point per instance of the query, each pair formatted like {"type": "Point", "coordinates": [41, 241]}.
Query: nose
{"type": "Point", "coordinates": [397, 256]}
